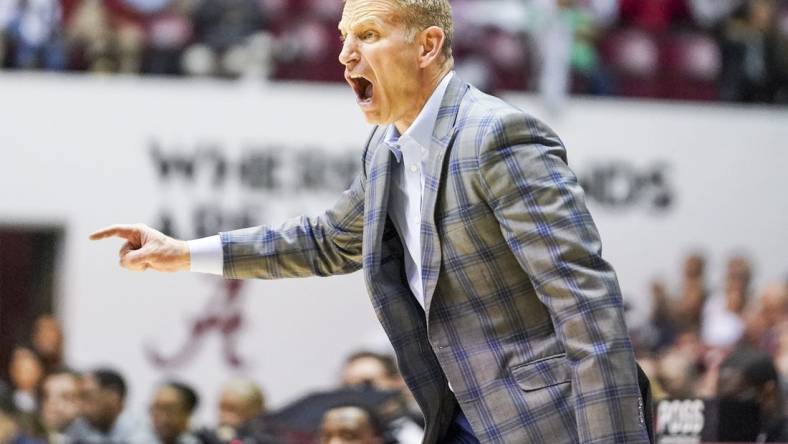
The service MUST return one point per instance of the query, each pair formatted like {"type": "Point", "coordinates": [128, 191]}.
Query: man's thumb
{"type": "Point", "coordinates": [136, 259]}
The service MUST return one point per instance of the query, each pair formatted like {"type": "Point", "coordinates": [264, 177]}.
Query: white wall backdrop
{"type": "Point", "coordinates": [197, 156]}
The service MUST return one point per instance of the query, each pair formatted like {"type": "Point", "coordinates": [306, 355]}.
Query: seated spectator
{"type": "Point", "coordinates": [90, 37]}
{"type": "Point", "coordinates": [677, 374]}
{"type": "Point", "coordinates": [33, 28]}
{"type": "Point", "coordinates": [59, 402]}
{"type": "Point", "coordinates": [379, 371]}
{"type": "Point", "coordinates": [693, 292]}
{"type": "Point", "coordinates": [749, 375]}
{"type": "Point", "coordinates": [15, 428]}
{"type": "Point", "coordinates": [670, 316]}
{"type": "Point", "coordinates": [26, 371]}
{"type": "Point", "coordinates": [105, 37]}
{"type": "Point", "coordinates": [7, 424]}
{"type": "Point", "coordinates": [103, 400]}
{"type": "Point", "coordinates": [764, 323]}
{"type": "Point", "coordinates": [371, 369]}
{"type": "Point", "coordinates": [223, 30]}
{"type": "Point", "coordinates": [47, 341]}
{"type": "Point", "coordinates": [240, 400]}
{"type": "Point", "coordinates": [351, 424]}
{"type": "Point", "coordinates": [753, 54]}
{"type": "Point", "coordinates": [169, 31]}
{"type": "Point", "coordinates": [171, 411]}
{"type": "Point", "coordinates": [723, 322]}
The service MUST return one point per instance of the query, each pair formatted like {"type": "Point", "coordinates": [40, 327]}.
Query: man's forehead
{"type": "Point", "coordinates": [358, 11]}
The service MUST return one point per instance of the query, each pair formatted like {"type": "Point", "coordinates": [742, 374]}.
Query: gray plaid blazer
{"type": "Point", "coordinates": [522, 315]}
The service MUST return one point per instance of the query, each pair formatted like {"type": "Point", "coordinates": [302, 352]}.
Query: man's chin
{"type": "Point", "coordinates": [373, 117]}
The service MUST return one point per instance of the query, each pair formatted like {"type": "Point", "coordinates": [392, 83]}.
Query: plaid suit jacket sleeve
{"type": "Point", "coordinates": [324, 245]}
{"type": "Point", "coordinates": [542, 214]}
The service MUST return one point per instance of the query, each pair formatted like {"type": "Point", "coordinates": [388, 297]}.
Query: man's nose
{"type": "Point", "coordinates": [349, 52]}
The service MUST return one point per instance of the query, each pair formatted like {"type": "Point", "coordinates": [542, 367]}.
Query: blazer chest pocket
{"type": "Point", "coordinates": [542, 373]}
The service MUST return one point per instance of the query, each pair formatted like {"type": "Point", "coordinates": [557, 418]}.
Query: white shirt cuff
{"type": "Point", "coordinates": [207, 255]}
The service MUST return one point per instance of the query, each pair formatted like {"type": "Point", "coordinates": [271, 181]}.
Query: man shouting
{"type": "Point", "coordinates": [480, 257]}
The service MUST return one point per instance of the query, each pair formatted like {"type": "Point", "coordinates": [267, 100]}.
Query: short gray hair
{"type": "Point", "coordinates": [418, 15]}
{"type": "Point", "coordinates": [248, 390]}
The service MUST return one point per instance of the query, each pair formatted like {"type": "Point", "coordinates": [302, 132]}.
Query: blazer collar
{"type": "Point", "coordinates": [424, 126]}
{"type": "Point", "coordinates": [434, 169]}
{"type": "Point", "coordinates": [379, 175]}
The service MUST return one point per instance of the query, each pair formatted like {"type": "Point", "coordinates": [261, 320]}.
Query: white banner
{"type": "Point", "coordinates": [195, 156]}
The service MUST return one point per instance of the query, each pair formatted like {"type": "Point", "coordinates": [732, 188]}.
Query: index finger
{"type": "Point", "coordinates": [127, 232]}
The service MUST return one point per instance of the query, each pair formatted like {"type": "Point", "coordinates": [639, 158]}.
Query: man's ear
{"type": "Point", "coordinates": [770, 393]}
{"type": "Point", "coordinates": [431, 40]}
{"type": "Point", "coordinates": [117, 401]}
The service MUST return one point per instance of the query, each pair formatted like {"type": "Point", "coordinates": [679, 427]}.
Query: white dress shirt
{"type": "Point", "coordinates": [407, 187]}
{"type": "Point", "coordinates": [411, 149]}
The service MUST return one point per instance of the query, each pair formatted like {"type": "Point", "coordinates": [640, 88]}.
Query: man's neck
{"type": "Point", "coordinates": [106, 427]}
{"type": "Point", "coordinates": [431, 83]}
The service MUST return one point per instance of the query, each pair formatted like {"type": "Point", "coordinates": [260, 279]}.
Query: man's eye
{"type": "Point", "coordinates": [368, 35]}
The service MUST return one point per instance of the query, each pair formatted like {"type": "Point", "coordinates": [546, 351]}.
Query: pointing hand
{"type": "Point", "coordinates": [147, 248]}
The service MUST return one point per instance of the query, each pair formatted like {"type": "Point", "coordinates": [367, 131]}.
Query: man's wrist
{"type": "Point", "coordinates": [206, 255]}
{"type": "Point", "coordinates": [185, 256]}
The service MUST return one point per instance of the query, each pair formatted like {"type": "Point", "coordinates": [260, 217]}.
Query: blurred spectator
{"type": "Point", "coordinates": [669, 316]}
{"type": "Point", "coordinates": [371, 369]}
{"type": "Point", "coordinates": [650, 366]}
{"type": "Point", "coordinates": [723, 314]}
{"type": "Point", "coordinates": [32, 29]}
{"type": "Point", "coordinates": [693, 292]}
{"type": "Point", "coordinates": [764, 327]}
{"type": "Point", "coordinates": [223, 24]}
{"type": "Point", "coordinates": [674, 49]}
{"type": "Point", "coordinates": [103, 400]}
{"type": "Point", "coordinates": [26, 371]}
{"type": "Point", "coordinates": [774, 303]}
{"type": "Point", "coordinates": [378, 371]}
{"type": "Point", "coordinates": [15, 428]}
{"type": "Point", "coordinates": [709, 13]}
{"type": "Point", "coordinates": [677, 374]}
{"type": "Point", "coordinates": [10, 432]}
{"type": "Point", "coordinates": [240, 400]}
{"type": "Point", "coordinates": [565, 31]}
{"type": "Point", "coordinates": [227, 37]}
{"type": "Point", "coordinates": [749, 375]}
{"type": "Point", "coordinates": [59, 403]}
{"type": "Point", "coordinates": [352, 424]}
{"type": "Point", "coordinates": [169, 31]}
{"type": "Point", "coordinates": [754, 55]}
{"type": "Point", "coordinates": [47, 340]}
{"type": "Point", "coordinates": [171, 411]}
{"type": "Point", "coordinates": [771, 326]}
{"type": "Point", "coordinates": [106, 36]}
{"type": "Point", "coordinates": [90, 37]}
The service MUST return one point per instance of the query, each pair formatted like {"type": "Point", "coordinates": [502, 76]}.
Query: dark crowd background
{"type": "Point", "coordinates": [707, 50]}
{"type": "Point", "coordinates": [44, 400]}
{"type": "Point", "coordinates": [723, 341]}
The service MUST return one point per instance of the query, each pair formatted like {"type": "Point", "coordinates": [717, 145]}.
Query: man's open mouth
{"type": "Point", "coordinates": [363, 89]}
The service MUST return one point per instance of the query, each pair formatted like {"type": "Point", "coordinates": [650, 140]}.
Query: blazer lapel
{"type": "Point", "coordinates": [376, 202]}
{"type": "Point", "coordinates": [442, 139]}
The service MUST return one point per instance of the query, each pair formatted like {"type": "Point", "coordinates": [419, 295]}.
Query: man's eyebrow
{"type": "Point", "coordinates": [357, 24]}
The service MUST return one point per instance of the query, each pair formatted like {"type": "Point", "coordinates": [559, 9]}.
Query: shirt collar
{"type": "Point", "coordinates": [422, 128]}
